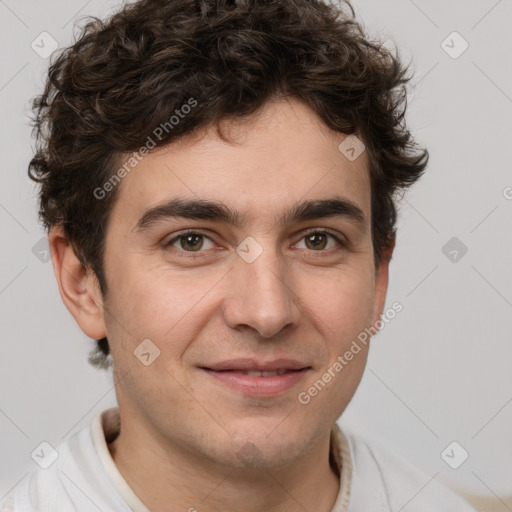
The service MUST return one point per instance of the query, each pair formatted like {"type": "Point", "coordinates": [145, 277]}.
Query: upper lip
{"type": "Point", "coordinates": [257, 365]}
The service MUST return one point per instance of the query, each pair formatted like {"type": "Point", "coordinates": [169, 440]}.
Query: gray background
{"type": "Point", "coordinates": [439, 372]}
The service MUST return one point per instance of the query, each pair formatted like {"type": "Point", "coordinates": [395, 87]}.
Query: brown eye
{"type": "Point", "coordinates": [191, 242]}
{"type": "Point", "coordinates": [316, 241]}
{"type": "Point", "coordinates": [320, 241]}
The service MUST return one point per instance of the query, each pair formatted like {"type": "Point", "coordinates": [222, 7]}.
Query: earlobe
{"type": "Point", "coordinates": [78, 285]}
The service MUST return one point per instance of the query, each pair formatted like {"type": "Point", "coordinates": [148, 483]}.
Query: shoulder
{"type": "Point", "coordinates": [71, 477]}
{"type": "Point", "coordinates": [383, 481]}
{"type": "Point", "coordinates": [46, 487]}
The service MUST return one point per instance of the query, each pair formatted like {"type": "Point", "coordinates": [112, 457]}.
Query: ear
{"type": "Point", "coordinates": [78, 286]}
{"type": "Point", "coordinates": [381, 282]}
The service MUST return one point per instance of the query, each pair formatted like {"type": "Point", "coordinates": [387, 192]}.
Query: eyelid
{"type": "Point", "coordinates": [339, 237]}
{"type": "Point", "coordinates": [319, 230]}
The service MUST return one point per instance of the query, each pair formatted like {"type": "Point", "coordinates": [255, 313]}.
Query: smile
{"type": "Point", "coordinates": [258, 379]}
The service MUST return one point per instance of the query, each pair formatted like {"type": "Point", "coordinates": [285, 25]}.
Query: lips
{"type": "Point", "coordinates": [253, 365]}
{"type": "Point", "coordinates": [258, 378]}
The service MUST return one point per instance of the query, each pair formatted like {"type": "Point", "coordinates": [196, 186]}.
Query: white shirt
{"type": "Point", "coordinates": [84, 478]}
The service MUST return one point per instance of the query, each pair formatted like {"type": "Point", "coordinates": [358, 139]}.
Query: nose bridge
{"type": "Point", "coordinates": [262, 295]}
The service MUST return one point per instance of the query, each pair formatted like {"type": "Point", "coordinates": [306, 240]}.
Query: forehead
{"type": "Point", "coordinates": [271, 160]}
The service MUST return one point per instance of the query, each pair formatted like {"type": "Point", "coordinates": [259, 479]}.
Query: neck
{"type": "Point", "coordinates": [193, 483]}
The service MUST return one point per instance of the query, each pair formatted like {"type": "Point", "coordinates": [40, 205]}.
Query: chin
{"type": "Point", "coordinates": [263, 447]}
{"type": "Point", "coordinates": [258, 456]}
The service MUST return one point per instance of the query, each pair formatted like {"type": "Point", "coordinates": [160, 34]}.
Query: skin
{"type": "Point", "coordinates": [185, 436]}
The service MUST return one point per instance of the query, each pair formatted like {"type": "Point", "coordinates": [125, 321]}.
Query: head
{"type": "Point", "coordinates": [198, 194]}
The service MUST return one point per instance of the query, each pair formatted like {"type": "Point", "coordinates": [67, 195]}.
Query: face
{"type": "Point", "coordinates": [249, 267]}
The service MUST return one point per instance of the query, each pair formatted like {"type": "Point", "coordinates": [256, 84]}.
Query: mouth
{"type": "Point", "coordinates": [258, 379]}
{"type": "Point", "coordinates": [256, 373]}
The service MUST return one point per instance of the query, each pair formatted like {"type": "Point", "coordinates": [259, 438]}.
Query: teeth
{"type": "Point", "coordinates": [273, 373]}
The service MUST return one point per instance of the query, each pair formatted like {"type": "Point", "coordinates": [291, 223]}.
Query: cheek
{"type": "Point", "coordinates": [343, 305]}
{"type": "Point", "coordinates": [158, 304]}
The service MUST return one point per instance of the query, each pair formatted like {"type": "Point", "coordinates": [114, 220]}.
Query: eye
{"type": "Point", "coordinates": [191, 242]}
{"type": "Point", "coordinates": [196, 242]}
{"type": "Point", "coordinates": [320, 241]}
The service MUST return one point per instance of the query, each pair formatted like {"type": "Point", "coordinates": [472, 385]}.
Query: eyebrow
{"type": "Point", "coordinates": [201, 209]}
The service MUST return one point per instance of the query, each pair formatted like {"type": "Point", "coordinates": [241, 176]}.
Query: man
{"type": "Point", "coordinates": [217, 179]}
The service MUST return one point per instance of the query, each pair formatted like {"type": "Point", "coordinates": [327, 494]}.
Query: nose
{"type": "Point", "coordinates": [261, 295]}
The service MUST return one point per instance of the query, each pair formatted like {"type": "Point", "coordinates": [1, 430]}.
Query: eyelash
{"type": "Point", "coordinates": [194, 254]}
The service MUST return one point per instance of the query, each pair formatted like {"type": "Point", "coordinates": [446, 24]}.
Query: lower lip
{"type": "Point", "coordinates": [259, 386]}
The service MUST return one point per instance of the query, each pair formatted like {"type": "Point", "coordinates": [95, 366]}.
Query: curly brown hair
{"type": "Point", "coordinates": [124, 76]}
